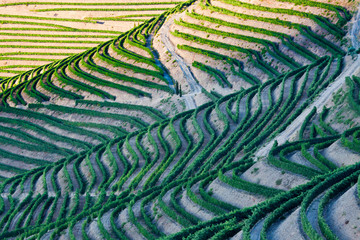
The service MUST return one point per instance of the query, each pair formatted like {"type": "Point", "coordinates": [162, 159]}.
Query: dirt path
{"type": "Point", "coordinates": [355, 30]}
{"type": "Point", "coordinates": [297, 157]}
{"type": "Point", "coordinates": [139, 166]}
{"type": "Point", "coordinates": [267, 175]}
{"type": "Point", "coordinates": [15, 220]}
{"type": "Point", "coordinates": [265, 100]}
{"type": "Point", "coordinates": [27, 184]}
{"type": "Point", "coordinates": [194, 86]}
{"type": "Point", "coordinates": [189, 101]}
{"type": "Point", "coordinates": [47, 235]}
{"type": "Point", "coordinates": [206, 138]}
{"type": "Point", "coordinates": [319, 102]}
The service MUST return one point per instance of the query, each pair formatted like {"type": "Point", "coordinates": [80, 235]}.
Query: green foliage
{"type": "Point", "coordinates": [232, 61]}
{"type": "Point", "coordinates": [248, 186]}
{"type": "Point", "coordinates": [259, 63]}
{"type": "Point", "coordinates": [216, 138]}
{"type": "Point", "coordinates": [270, 47]}
{"type": "Point", "coordinates": [101, 9]}
{"type": "Point", "coordinates": [199, 201]}
{"type": "Point", "coordinates": [334, 177]}
{"type": "Point", "coordinates": [218, 75]}
{"type": "Point", "coordinates": [353, 98]}
{"type": "Point", "coordinates": [346, 139]}
{"type": "Point", "coordinates": [285, 164]}
{"type": "Point", "coordinates": [75, 69]}
{"type": "Point", "coordinates": [306, 122]}
{"type": "Point", "coordinates": [322, 21]}
{"type": "Point", "coordinates": [329, 195]}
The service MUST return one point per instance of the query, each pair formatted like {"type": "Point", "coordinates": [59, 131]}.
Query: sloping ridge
{"type": "Point", "coordinates": [81, 160]}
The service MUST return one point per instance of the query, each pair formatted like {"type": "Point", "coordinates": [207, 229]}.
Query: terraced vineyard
{"type": "Point", "coordinates": [246, 49]}
{"type": "Point", "coordinates": [37, 33]}
{"type": "Point", "coordinates": [214, 120]}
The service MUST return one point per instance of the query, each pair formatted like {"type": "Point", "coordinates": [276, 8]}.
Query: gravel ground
{"type": "Point", "coordinates": [166, 224]}
{"type": "Point", "coordinates": [312, 213]}
{"type": "Point", "coordinates": [238, 236]}
{"type": "Point", "coordinates": [340, 155]}
{"type": "Point", "coordinates": [233, 196]}
{"type": "Point", "coordinates": [94, 231]}
{"type": "Point", "coordinates": [297, 157]}
{"type": "Point", "coordinates": [343, 215]}
{"type": "Point", "coordinates": [194, 209]}
{"type": "Point", "coordinates": [351, 68]}
{"type": "Point", "coordinates": [130, 229]}
{"type": "Point", "coordinates": [267, 175]}
{"type": "Point", "coordinates": [288, 229]}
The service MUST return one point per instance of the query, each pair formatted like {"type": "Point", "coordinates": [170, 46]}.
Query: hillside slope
{"type": "Point", "coordinates": [34, 33]}
{"type": "Point", "coordinates": [214, 120]}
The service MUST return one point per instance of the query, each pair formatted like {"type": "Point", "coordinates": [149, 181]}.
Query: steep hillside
{"type": "Point", "coordinates": [34, 33]}
{"type": "Point", "coordinates": [214, 120]}
{"type": "Point", "coordinates": [234, 44]}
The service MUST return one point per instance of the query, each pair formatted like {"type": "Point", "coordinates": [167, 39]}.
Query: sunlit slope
{"type": "Point", "coordinates": [124, 68]}
{"type": "Point", "coordinates": [325, 157]}
{"type": "Point", "coordinates": [82, 101]}
{"type": "Point", "coordinates": [35, 33]}
{"type": "Point", "coordinates": [234, 44]}
{"type": "Point", "coordinates": [94, 147]}
{"type": "Point", "coordinates": [195, 167]}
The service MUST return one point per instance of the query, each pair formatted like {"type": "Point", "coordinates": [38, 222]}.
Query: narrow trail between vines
{"type": "Point", "coordinates": [194, 86]}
